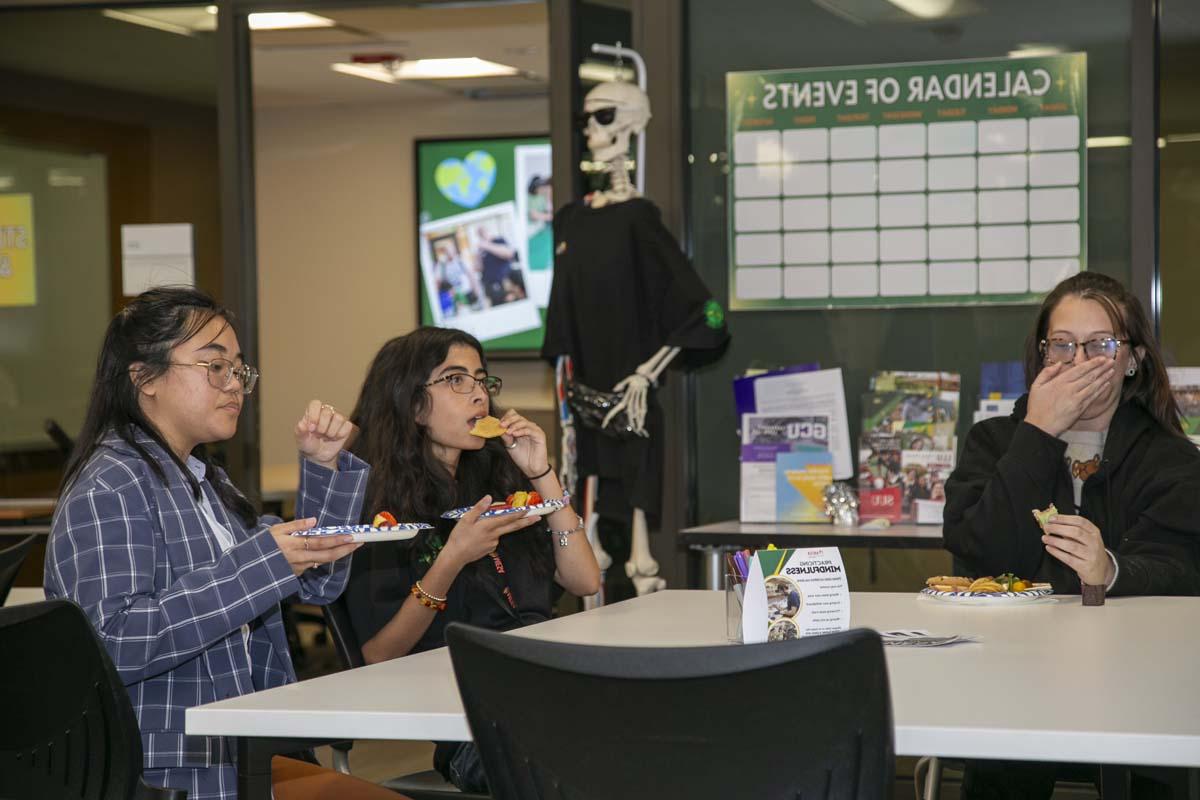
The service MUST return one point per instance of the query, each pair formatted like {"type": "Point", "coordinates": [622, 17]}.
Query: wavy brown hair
{"type": "Point", "coordinates": [406, 478]}
{"type": "Point", "coordinates": [1150, 385]}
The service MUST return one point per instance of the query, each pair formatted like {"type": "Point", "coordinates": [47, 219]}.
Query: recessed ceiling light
{"type": "Point", "coordinates": [925, 9]}
{"type": "Point", "coordinates": [287, 20]}
{"type": "Point", "coordinates": [1036, 49]}
{"type": "Point", "coordinates": [427, 69]}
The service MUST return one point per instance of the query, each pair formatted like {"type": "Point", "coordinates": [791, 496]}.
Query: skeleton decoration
{"type": "Point", "coordinates": [614, 112]}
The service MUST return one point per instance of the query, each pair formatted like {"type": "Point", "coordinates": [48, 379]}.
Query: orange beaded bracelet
{"type": "Point", "coordinates": [426, 599]}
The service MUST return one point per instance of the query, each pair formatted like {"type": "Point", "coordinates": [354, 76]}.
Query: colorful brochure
{"type": "Point", "coordinates": [794, 593]}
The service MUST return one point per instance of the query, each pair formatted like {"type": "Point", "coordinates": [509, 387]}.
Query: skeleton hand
{"type": "Point", "coordinates": [636, 391]}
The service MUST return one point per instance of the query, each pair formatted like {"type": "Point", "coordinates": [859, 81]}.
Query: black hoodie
{"type": "Point", "coordinates": [1145, 499]}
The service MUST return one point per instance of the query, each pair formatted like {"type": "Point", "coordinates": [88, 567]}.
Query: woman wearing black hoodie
{"type": "Point", "coordinates": [1098, 436]}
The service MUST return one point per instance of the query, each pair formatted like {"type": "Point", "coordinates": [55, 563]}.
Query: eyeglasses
{"type": "Point", "coordinates": [221, 372]}
{"type": "Point", "coordinates": [1059, 350]}
{"type": "Point", "coordinates": [604, 116]}
{"type": "Point", "coordinates": [463, 383]}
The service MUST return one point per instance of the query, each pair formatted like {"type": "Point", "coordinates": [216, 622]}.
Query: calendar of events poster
{"type": "Point", "coordinates": [941, 183]}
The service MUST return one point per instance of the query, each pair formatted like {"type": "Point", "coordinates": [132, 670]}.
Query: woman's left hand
{"type": "Point", "coordinates": [526, 444]}
{"type": "Point", "coordinates": [322, 433]}
{"type": "Point", "coordinates": [1076, 542]}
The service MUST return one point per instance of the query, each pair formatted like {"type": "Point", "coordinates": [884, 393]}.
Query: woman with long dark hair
{"type": "Point", "coordinates": [422, 395]}
{"type": "Point", "coordinates": [172, 564]}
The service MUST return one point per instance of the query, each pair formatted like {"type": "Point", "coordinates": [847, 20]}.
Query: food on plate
{"type": "Point", "coordinates": [518, 500]}
{"type": "Point", "coordinates": [487, 428]}
{"type": "Point", "coordinates": [985, 585]}
{"type": "Point", "coordinates": [384, 519]}
{"type": "Point", "coordinates": [1043, 517]}
{"type": "Point", "coordinates": [948, 583]}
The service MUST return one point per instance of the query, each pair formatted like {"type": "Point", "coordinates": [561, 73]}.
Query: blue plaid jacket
{"type": "Point", "coordinates": [142, 562]}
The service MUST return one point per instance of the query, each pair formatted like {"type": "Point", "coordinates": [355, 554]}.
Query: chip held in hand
{"type": "Point", "coordinates": [487, 428]}
{"type": "Point", "coordinates": [1045, 516]}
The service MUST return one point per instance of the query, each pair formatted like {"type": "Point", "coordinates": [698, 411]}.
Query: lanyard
{"type": "Point", "coordinates": [505, 590]}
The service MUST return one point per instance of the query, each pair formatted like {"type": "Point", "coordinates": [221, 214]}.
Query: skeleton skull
{"type": "Point", "coordinates": [624, 109]}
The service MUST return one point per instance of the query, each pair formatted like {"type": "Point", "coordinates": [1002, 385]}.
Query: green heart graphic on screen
{"type": "Point", "coordinates": [467, 182]}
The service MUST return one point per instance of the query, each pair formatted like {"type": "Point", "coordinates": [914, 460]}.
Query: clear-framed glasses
{"type": "Point", "coordinates": [463, 383]}
{"type": "Point", "coordinates": [1058, 349]}
{"type": "Point", "coordinates": [222, 371]}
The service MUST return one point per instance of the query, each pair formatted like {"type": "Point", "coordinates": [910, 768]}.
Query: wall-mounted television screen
{"type": "Point", "coordinates": [485, 243]}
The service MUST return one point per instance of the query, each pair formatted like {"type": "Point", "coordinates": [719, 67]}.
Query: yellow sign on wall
{"type": "Point", "coordinates": [18, 284]}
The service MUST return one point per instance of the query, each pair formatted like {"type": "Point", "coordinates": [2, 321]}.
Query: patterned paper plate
{"type": "Point", "coordinates": [1026, 597]}
{"type": "Point", "coordinates": [367, 533]}
{"type": "Point", "coordinates": [539, 510]}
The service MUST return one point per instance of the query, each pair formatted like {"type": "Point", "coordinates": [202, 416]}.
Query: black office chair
{"type": "Point", "coordinates": [803, 718]}
{"type": "Point", "coordinates": [11, 559]}
{"type": "Point", "coordinates": [69, 729]}
{"type": "Point", "coordinates": [425, 785]}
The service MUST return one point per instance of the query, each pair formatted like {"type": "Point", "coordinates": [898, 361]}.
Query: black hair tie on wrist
{"type": "Point", "coordinates": [549, 469]}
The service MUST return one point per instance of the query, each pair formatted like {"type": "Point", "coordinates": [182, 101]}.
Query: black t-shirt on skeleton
{"type": "Point", "coordinates": [622, 290]}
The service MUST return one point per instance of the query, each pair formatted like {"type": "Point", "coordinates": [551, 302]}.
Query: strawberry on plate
{"type": "Point", "coordinates": [384, 519]}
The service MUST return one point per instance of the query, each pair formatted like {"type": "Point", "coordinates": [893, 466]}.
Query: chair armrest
{"type": "Point", "coordinates": [147, 792]}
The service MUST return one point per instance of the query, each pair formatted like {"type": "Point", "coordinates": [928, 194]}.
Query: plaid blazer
{"type": "Point", "coordinates": [141, 561]}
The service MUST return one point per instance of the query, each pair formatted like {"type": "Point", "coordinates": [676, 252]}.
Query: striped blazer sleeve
{"type": "Point", "coordinates": [334, 498]}
{"type": "Point", "coordinates": [103, 551]}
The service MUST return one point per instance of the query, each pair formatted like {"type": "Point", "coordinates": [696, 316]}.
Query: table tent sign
{"type": "Point", "coordinates": [789, 594]}
{"type": "Point", "coordinates": [925, 184]}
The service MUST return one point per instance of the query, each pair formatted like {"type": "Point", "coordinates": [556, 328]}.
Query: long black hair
{"type": "Point", "coordinates": [1150, 386]}
{"type": "Point", "coordinates": [145, 332]}
{"type": "Point", "coordinates": [406, 478]}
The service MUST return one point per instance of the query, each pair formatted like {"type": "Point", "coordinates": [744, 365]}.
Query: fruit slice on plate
{"type": "Point", "coordinates": [384, 519]}
{"type": "Point", "coordinates": [487, 428]}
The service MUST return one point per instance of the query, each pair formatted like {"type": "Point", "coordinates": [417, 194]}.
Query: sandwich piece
{"type": "Point", "coordinates": [487, 428]}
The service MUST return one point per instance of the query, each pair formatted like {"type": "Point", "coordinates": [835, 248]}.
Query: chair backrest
{"type": "Point", "coordinates": [808, 718]}
{"type": "Point", "coordinates": [11, 559]}
{"type": "Point", "coordinates": [69, 730]}
{"type": "Point", "coordinates": [345, 641]}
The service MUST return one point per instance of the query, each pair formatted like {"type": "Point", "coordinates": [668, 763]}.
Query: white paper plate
{"type": "Point", "coordinates": [539, 510]}
{"type": "Point", "coordinates": [1027, 597]}
{"type": "Point", "coordinates": [367, 533]}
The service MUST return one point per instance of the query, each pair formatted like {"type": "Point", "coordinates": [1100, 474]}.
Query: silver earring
{"type": "Point", "coordinates": [1131, 371]}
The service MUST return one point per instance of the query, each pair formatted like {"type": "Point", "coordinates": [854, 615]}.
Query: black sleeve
{"type": "Point", "coordinates": [559, 339]}
{"type": "Point", "coordinates": [380, 580]}
{"type": "Point", "coordinates": [688, 316]}
{"type": "Point", "coordinates": [1159, 553]}
{"type": "Point", "coordinates": [1003, 474]}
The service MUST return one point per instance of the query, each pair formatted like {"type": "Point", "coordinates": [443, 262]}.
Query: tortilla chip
{"type": "Point", "coordinates": [487, 428]}
{"type": "Point", "coordinates": [1043, 517]}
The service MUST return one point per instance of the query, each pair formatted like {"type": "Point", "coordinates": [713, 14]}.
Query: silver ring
{"type": "Point", "coordinates": [332, 410]}
{"type": "Point", "coordinates": [510, 446]}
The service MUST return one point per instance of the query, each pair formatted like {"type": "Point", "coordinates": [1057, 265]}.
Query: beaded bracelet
{"type": "Point", "coordinates": [426, 599]}
{"type": "Point", "coordinates": [562, 535]}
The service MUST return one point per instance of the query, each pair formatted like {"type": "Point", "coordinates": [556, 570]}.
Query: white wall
{"type": "Point", "coordinates": [337, 252]}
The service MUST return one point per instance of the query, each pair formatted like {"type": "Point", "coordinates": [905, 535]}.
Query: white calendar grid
{"type": "Point", "coordinates": [908, 212]}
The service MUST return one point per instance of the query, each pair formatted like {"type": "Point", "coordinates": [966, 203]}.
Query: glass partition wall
{"type": "Point", "coordinates": [779, 34]}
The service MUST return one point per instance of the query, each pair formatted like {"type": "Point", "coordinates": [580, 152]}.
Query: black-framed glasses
{"type": "Point", "coordinates": [604, 116]}
{"type": "Point", "coordinates": [1062, 350]}
{"type": "Point", "coordinates": [222, 371]}
{"type": "Point", "coordinates": [463, 383]}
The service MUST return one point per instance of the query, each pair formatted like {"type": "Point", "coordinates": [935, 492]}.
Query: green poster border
{"type": "Point", "coordinates": [1070, 67]}
{"type": "Point", "coordinates": [431, 206]}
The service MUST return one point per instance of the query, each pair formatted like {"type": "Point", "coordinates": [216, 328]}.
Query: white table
{"type": "Point", "coordinates": [21, 595]}
{"type": "Point", "coordinates": [1049, 682]}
